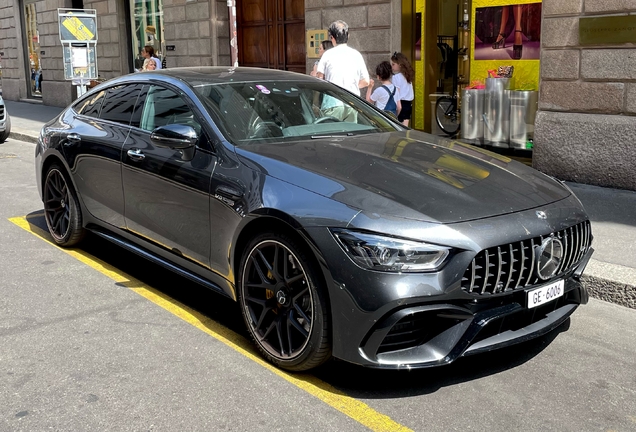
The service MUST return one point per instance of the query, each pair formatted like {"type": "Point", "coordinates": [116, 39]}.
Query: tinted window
{"type": "Point", "coordinates": [119, 103]}
{"type": "Point", "coordinates": [90, 107]}
{"type": "Point", "coordinates": [162, 107]}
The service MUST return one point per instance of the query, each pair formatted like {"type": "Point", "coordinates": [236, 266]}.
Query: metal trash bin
{"type": "Point", "coordinates": [523, 110]}
{"type": "Point", "coordinates": [497, 112]}
{"type": "Point", "coordinates": [472, 127]}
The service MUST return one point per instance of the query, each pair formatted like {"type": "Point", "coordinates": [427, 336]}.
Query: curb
{"type": "Point", "coordinates": [21, 136]}
{"type": "Point", "coordinates": [611, 282]}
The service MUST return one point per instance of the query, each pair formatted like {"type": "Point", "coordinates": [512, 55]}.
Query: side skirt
{"type": "Point", "coordinates": [157, 259]}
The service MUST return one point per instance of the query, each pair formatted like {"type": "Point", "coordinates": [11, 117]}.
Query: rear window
{"type": "Point", "coordinates": [119, 103]}
{"type": "Point", "coordinates": [91, 106]}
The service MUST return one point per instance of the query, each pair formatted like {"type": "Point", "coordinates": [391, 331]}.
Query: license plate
{"type": "Point", "coordinates": [545, 294]}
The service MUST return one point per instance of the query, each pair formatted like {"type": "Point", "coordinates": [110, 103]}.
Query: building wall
{"type": "Point", "coordinates": [13, 73]}
{"type": "Point", "coordinates": [113, 51]}
{"type": "Point", "coordinates": [374, 26]}
{"type": "Point", "coordinates": [199, 30]}
{"type": "Point", "coordinates": [585, 129]}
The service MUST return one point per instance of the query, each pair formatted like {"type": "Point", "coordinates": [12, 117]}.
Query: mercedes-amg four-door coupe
{"type": "Point", "coordinates": [338, 231]}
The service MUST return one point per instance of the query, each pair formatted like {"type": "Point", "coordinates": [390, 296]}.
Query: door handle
{"type": "Point", "coordinates": [135, 154]}
{"type": "Point", "coordinates": [72, 139]}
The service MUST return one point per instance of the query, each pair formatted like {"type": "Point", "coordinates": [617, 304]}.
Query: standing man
{"type": "Point", "coordinates": [343, 65]}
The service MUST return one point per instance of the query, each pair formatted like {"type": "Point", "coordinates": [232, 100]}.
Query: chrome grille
{"type": "Point", "coordinates": [1, 111]}
{"type": "Point", "coordinates": [508, 267]}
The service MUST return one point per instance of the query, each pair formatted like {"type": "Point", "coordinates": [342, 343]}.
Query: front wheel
{"type": "Point", "coordinates": [61, 208]}
{"type": "Point", "coordinates": [283, 303]}
{"type": "Point", "coordinates": [447, 115]}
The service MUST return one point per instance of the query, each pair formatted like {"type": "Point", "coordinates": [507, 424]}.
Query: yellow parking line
{"type": "Point", "coordinates": [333, 397]}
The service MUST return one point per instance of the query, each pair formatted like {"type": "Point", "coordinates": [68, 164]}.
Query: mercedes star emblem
{"type": "Point", "coordinates": [549, 257]}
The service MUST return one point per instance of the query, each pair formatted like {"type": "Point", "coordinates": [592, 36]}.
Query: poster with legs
{"type": "Point", "coordinates": [511, 32]}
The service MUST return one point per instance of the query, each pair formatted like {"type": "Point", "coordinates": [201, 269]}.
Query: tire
{"type": "Point", "coordinates": [61, 208]}
{"type": "Point", "coordinates": [447, 115]}
{"type": "Point", "coordinates": [4, 135]}
{"type": "Point", "coordinates": [283, 303]}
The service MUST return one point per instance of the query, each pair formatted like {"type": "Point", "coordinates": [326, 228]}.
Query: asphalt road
{"type": "Point", "coordinates": [98, 339]}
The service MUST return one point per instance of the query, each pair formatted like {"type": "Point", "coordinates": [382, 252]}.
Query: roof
{"type": "Point", "coordinates": [224, 74]}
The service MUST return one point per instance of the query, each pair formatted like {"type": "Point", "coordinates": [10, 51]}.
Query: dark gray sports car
{"type": "Point", "coordinates": [339, 232]}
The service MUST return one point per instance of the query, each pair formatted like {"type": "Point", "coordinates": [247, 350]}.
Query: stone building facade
{"type": "Point", "coordinates": [196, 30]}
{"type": "Point", "coordinates": [585, 129]}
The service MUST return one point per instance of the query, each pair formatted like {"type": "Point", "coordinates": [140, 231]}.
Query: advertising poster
{"type": "Point", "coordinates": [510, 32]}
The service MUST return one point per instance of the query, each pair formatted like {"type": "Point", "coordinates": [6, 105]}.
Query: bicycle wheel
{"type": "Point", "coordinates": [447, 115]}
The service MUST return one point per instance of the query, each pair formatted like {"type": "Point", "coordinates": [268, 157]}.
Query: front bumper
{"type": "Point", "coordinates": [441, 333]}
{"type": "Point", "coordinates": [389, 320]}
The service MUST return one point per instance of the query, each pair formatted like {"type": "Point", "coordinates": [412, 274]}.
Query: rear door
{"type": "Point", "coordinates": [93, 148]}
{"type": "Point", "coordinates": [166, 193]}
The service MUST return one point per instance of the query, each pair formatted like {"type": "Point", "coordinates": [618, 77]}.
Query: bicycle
{"type": "Point", "coordinates": [448, 114]}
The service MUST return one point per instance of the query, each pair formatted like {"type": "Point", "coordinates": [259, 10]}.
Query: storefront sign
{"type": "Point", "coordinates": [607, 30]}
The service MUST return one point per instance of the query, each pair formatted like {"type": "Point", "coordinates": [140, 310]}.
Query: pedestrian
{"type": "Point", "coordinates": [324, 46]}
{"type": "Point", "coordinates": [343, 65]}
{"type": "Point", "coordinates": [148, 53]}
{"type": "Point", "coordinates": [403, 75]}
{"type": "Point", "coordinates": [387, 96]}
{"type": "Point", "coordinates": [152, 64]}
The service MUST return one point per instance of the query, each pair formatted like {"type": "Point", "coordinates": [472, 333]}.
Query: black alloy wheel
{"type": "Point", "coordinates": [283, 303]}
{"type": "Point", "coordinates": [61, 208]}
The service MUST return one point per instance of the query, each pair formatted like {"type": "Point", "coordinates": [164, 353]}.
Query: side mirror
{"type": "Point", "coordinates": [174, 136]}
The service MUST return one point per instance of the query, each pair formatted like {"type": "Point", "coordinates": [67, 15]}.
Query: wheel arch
{"type": "Point", "coordinates": [54, 157]}
{"type": "Point", "coordinates": [271, 219]}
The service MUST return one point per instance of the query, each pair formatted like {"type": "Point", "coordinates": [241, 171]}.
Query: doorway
{"type": "Point", "coordinates": [271, 34]}
{"type": "Point", "coordinates": [32, 50]}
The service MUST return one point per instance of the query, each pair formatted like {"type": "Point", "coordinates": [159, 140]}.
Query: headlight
{"type": "Point", "coordinates": [388, 254]}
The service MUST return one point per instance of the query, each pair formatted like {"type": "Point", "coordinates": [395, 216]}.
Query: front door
{"type": "Point", "coordinates": [167, 194]}
{"type": "Point", "coordinates": [271, 34]}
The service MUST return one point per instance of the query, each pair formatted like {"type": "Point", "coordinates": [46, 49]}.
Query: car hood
{"type": "Point", "coordinates": [407, 174]}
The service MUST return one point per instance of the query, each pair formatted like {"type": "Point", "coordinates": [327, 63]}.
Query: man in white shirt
{"type": "Point", "coordinates": [343, 66]}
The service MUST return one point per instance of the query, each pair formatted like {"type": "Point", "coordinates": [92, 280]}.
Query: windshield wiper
{"type": "Point", "coordinates": [331, 136]}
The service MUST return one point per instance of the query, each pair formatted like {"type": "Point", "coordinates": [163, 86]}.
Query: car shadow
{"type": "Point", "coordinates": [335, 376]}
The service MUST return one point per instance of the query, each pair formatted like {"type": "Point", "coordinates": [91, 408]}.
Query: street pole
{"type": "Point", "coordinates": [231, 4]}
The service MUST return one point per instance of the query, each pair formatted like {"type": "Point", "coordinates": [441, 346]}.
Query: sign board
{"type": "Point", "coordinates": [607, 30]}
{"type": "Point", "coordinates": [80, 61]}
{"type": "Point", "coordinates": [77, 25]}
{"type": "Point", "coordinates": [78, 34]}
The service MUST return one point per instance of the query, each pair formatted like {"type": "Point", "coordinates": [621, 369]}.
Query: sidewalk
{"type": "Point", "coordinates": [610, 275]}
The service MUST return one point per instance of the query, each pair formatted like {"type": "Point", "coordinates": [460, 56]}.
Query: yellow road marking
{"type": "Point", "coordinates": [333, 397]}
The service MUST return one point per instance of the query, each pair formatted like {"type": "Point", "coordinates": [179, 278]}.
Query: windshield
{"type": "Point", "coordinates": [251, 112]}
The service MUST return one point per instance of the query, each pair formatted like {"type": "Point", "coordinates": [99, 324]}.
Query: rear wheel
{"type": "Point", "coordinates": [61, 208]}
{"type": "Point", "coordinates": [283, 303]}
{"type": "Point", "coordinates": [447, 115]}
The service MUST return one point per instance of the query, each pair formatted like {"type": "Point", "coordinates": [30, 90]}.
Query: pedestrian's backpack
{"type": "Point", "coordinates": [390, 106]}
